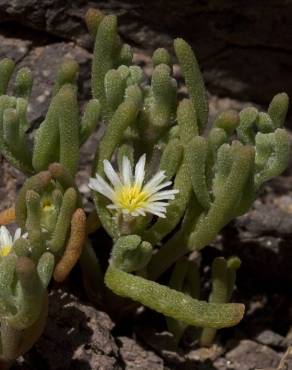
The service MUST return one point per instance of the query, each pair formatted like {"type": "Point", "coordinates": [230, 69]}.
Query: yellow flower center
{"type": "Point", "coordinates": [48, 214]}
{"type": "Point", "coordinates": [47, 205]}
{"type": "Point", "coordinates": [5, 250]}
{"type": "Point", "coordinates": [131, 197]}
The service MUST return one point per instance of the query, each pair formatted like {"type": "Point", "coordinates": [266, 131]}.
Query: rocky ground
{"type": "Point", "coordinates": [77, 335]}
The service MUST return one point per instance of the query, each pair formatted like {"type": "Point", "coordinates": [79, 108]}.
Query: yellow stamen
{"type": "Point", "coordinates": [5, 250]}
{"type": "Point", "coordinates": [131, 197]}
{"type": "Point", "coordinates": [47, 205]}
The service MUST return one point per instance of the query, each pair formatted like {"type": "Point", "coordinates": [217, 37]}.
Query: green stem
{"type": "Point", "coordinates": [92, 274]}
{"type": "Point", "coordinates": [172, 303]}
{"type": "Point", "coordinates": [175, 247]}
{"type": "Point", "coordinates": [167, 255]}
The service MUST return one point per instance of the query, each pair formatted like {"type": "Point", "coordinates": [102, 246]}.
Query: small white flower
{"type": "Point", "coordinates": [6, 240]}
{"type": "Point", "coordinates": [128, 194]}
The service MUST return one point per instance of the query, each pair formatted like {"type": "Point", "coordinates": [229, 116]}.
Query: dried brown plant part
{"type": "Point", "coordinates": [7, 216]}
{"type": "Point", "coordinates": [74, 246]}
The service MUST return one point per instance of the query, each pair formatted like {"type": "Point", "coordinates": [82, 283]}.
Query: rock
{"type": "Point", "coordinates": [286, 361]}
{"type": "Point", "coordinates": [39, 60]}
{"type": "Point", "coordinates": [163, 343]}
{"type": "Point", "coordinates": [266, 219]}
{"type": "Point", "coordinates": [249, 355]}
{"type": "Point", "coordinates": [261, 238]}
{"type": "Point", "coordinates": [98, 362]}
{"type": "Point", "coordinates": [10, 182]}
{"type": "Point", "coordinates": [272, 339]}
{"type": "Point", "coordinates": [53, 16]}
{"type": "Point", "coordinates": [14, 48]}
{"type": "Point", "coordinates": [136, 357]}
{"type": "Point", "coordinates": [76, 337]}
{"type": "Point", "coordinates": [204, 358]}
{"type": "Point", "coordinates": [220, 364]}
{"type": "Point", "coordinates": [44, 73]}
{"type": "Point", "coordinates": [239, 48]}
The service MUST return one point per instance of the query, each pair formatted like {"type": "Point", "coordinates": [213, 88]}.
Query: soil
{"type": "Point", "coordinates": [80, 336]}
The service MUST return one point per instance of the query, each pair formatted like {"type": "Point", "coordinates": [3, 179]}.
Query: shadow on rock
{"type": "Point", "coordinates": [76, 337]}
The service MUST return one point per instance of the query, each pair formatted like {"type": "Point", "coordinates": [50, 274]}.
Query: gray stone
{"type": "Point", "coordinates": [45, 62]}
{"type": "Point", "coordinates": [164, 344]}
{"type": "Point", "coordinates": [240, 48]}
{"type": "Point", "coordinates": [14, 48]}
{"type": "Point", "coordinates": [10, 182]}
{"type": "Point", "coordinates": [249, 355]}
{"type": "Point", "coordinates": [272, 339]}
{"type": "Point", "coordinates": [76, 337]}
{"type": "Point", "coordinates": [266, 218]}
{"type": "Point", "coordinates": [261, 239]}
{"type": "Point", "coordinates": [136, 357]}
{"type": "Point", "coordinates": [286, 361]}
{"type": "Point", "coordinates": [53, 16]}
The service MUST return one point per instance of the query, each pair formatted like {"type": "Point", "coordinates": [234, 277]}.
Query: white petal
{"type": "Point", "coordinates": [126, 171]}
{"type": "Point", "coordinates": [155, 211]}
{"type": "Point", "coordinates": [154, 207]}
{"type": "Point", "coordinates": [156, 180]}
{"type": "Point", "coordinates": [1, 235]}
{"type": "Point", "coordinates": [159, 187]}
{"type": "Point", "coordinates": [163, 204]}
{"type": "Point", "coordinates": [158, 200]}
{"type": "Point", "coordinates": [159, 196]}
{"type": "Point", "coordinates": [161, 215]}
{"type": "Point", "coordinates": [140, 171]}
{"type": "Point", "coordinates": [112, 206]}
{"type": "Point", "coordinates": [101, 186]}
{"type": "Point", "coordinates": [139, 212]}
{"type": "Point", "coordinates": [17, 234]}
{"type": "Point", "coordinates": [5, 237]}
{"type": "Point", "coordinates": [111, 174]}
{"type": "Point", "coordinates": [163, 195]}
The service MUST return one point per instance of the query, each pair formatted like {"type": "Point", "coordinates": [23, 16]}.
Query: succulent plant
{"type": "Point", "coordinates": [163, 186]}
{"type": "Point", "coordinates": [215, 173]}
{"type": "Point", "coordinates": [47, 208]}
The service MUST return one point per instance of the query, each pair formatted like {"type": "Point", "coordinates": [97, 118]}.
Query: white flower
{"type": "Point", "coordinates": [6, 240]}
{"type": "Point", "coordinates": [128, 194]}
